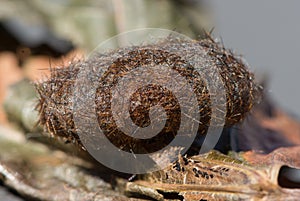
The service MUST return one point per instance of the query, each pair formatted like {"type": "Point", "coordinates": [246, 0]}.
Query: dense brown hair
{"type": "Point", "coordinates": [55, 103]}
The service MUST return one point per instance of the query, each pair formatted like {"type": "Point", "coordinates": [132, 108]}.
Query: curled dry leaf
{"type": "Point", "coordinates": [38, 173]}
{"type": "Point", "coordinates": [213, 176]}
{"type": "Point", "coordinates": [286, 156]}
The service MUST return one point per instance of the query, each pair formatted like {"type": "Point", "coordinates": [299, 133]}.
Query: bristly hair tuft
{"type": "Point", "coordinates": [56, 107]}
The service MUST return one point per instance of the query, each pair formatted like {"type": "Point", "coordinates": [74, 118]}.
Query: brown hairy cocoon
{"type": "Point", "coordinates": [55, 103]}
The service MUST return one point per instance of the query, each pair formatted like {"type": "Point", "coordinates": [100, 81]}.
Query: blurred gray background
{"type": "Point", "coordinates": [267, 34]}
